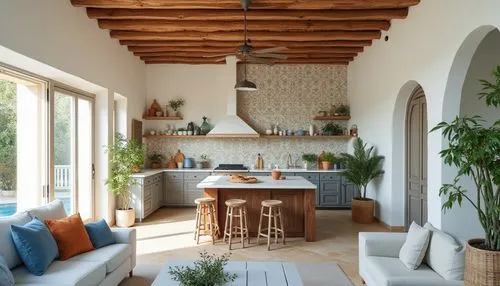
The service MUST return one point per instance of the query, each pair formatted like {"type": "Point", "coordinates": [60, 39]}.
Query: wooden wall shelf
{"type": "Point", "coordinates": [162, 118]}
{"type": "Point", "coordinates": [306, 137]}
{"type": "Point", "coordinates": [332, 117]}
{"type": "Point", "coordinates": [340, 137]}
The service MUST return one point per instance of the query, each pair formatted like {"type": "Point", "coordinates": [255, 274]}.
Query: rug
{"type": "Point", "coordinates": [319, 274]}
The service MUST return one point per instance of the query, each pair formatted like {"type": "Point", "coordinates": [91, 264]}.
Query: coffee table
{"type": "Point", "coordinates": [252, 273]}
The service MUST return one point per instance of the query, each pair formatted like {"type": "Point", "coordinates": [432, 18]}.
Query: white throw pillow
{"type": "Point", "coordinates": [445, 255]}
{"type": "Point", "coordinates": [52, 210]}
{"type": "Point", "coordinates": [413, 251]}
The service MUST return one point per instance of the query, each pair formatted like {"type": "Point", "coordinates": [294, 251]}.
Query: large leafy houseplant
{"type": "Point", "coordinates": [362, 166]}
{"type": "Point", "coordinates": [474, 149]}
{"type": "Point", "coordinates": [127, 156]}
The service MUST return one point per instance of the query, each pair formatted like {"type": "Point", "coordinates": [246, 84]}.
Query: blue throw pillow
{"type": "Point", "coordinates": [6, 277]}
{"type": "Point", "coordinates": [35, 245]}
{"type": "Point", "coordinates": [100, 234]}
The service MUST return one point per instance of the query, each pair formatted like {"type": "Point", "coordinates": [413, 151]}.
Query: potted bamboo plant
{"type": "Point", "coordinates": [474, 149]}
{"type": "Point", "coordinates": [361, 168]}
{"type": "Point", "coordinates": [126, 156]}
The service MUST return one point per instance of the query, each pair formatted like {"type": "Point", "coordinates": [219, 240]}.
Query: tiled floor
{"type": "Point", "coordinates": [168, 233]}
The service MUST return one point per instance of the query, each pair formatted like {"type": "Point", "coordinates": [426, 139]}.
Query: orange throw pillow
{"type": "Point", "coordinates": [70, 235]}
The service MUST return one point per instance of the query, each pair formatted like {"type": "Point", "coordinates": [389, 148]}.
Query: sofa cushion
{"type": "Point", "coordinates": [390, 271]}
{"type": "Point", "coordinates": [113, 255]}
{"type": "Point", "coordinates": [6, 277]}
{"type": "Point", "coordinates": [35, 245]}
{"type": "Point", "coordinates": [100, 234]}
{"type": "Point", "coordinates": [413, 250]}
{"type": "Point", "coordinates": [64, 273]}
{"type": "Point", "coordinates": [7, 246]}
{"type": "Point", "coordinates": [445, 255]}
{"type": "Point", "coordinates": [71, 236]}
{"type": "Point", "coordinates": [52, 210]}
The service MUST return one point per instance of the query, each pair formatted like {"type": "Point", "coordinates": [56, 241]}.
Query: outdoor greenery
{"type": "Point", "coordinates": [8, 118]}
{"type": "Point", "coordinates": [475, 150]}
{"type": "Point", "coordinates": [208, 271]}
{"type": "Point", "coordinates": [362, 166]}
{"type": "Point", "coordinates": [125, 157]}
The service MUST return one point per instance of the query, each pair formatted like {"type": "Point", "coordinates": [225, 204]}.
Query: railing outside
{"type": "Point", "coordinates": [63, 177]}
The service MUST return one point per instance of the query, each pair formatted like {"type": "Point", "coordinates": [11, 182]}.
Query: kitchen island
{"type": "Point", "coordinates": [298, 196]}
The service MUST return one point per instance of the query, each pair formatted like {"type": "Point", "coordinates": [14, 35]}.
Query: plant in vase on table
{"type": "Point", "coordinates": [474, 149]}
{"type": "Point", "coordinates": [175, 104]}
{"type": "Point", "coordinates": [327, 160]}
{"type": "Point", "coordinates": [126, 158]}
{"type": "Point", "coordinates": [361, 168]}
{"type": "Point", "coordinates": [310, 160]}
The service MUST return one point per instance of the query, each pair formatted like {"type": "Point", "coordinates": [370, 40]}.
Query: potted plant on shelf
{"type": "Point", "coordinates": [342, 110]}
{"type": "Point", "coordinates": [175, 104]}
{"type": "Point", "coordinates": [328, 159]}
{"type": "Point", "coordinates": [203, 161]}
{"type": "Point", "coordinates": [361, 168]}
{"type": "Point", "coordinates": [209, 270]}
{"type": "Point", "coordinates": [126, 156]}
{"type": "Point", "coordinates": [155, 161]}
{"type": "Point", "coordinates": [332, 129]}
{"type": "Point", "coordinates": [310, 159]}
{"type": "Point", "coordinates": [474, 149]}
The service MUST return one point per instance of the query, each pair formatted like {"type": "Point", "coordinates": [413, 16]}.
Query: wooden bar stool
{"type": "Point", "coordinates": [273, 214]}
{"type": "Point", "coordinates": [205, 208]}
{"type": "Point", "coordinates": [236, 209]}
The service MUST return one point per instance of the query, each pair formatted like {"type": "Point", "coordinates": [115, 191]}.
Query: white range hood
{"type": "Point", "coordinates": [232, 125]}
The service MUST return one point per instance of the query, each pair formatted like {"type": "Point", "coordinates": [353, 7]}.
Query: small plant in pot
{"type": "Point", "coordinates": [361, 168]}
{"type": "Point", "coordinates": [208, 271]}
{"type": "Point", "coordinates": [331, 129]}
{"type": "Point", "coordinates": [155, 160]}
{"type": "Point", "coordinates": [474, 149]}
{"type": "Point", "coordinates": [175, 104]}
{"type": "Point", "coordinates": [342, 109]}
{"type": "Point", "coordinates": [328, 160]}
{"type": "Point", "coordinates": [310, 159]}
{"type": "Point", "coordinates": [125, 157]}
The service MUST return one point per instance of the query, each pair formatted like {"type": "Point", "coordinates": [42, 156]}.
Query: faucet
{"type": "Point", "coordinates": [289, 162]}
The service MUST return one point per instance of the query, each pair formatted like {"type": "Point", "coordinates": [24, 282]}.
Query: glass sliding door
{"type": "Point", "coordinates": [23, 141]}
{"type": "Point", "coordinates": [73, 151]}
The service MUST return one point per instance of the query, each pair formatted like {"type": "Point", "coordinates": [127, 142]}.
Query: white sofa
{"type": "Point", "coordinates": [379, 263]}
{"type": "Point", "coordinates": [108, 265]}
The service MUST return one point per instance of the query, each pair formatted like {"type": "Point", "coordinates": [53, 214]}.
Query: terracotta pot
{"type": "Point", "coordinates": [482, 267]}
{"type": "Point", "coordinates": [362, 210]}
{"type": "Point", "coordinates": [326, 165]}
{"type": "Point", "coordinates": [276, 174]}
{"type": "Point", "coordinates": [125, 218]}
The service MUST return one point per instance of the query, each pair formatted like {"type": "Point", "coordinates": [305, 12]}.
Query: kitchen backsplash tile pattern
{"type": "Point", "coordinates": [288, 95]}
{"type": "Point", "coordinates": [244, 151]}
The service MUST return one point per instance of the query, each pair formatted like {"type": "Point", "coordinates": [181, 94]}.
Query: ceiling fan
{"type": "Point", "coordinates": [246, 51]}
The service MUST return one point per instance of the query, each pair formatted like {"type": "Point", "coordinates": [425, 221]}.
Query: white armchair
{"type": "Point", "coordinates": [379, 263]}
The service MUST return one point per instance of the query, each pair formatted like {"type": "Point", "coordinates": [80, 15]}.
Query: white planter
{"type": "Point", "coordinates": [125, 218]}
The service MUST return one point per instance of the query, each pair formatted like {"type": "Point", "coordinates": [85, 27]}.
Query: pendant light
{"type": "Point", "coordinates": [245, 85]}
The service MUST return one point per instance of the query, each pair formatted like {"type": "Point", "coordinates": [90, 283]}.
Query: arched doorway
{"type": "Point", "coordinates": [416, 158]}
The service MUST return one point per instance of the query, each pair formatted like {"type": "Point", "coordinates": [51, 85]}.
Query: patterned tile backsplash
{"type": "Point", "coordinates": [288, 95]}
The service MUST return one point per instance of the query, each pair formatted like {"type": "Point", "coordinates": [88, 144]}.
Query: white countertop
{"type": "Point", "coordinates": [150, 172]}
{"type": "Point", "coordinates": [265, 182]}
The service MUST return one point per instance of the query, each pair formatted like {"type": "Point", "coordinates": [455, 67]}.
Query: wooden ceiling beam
{"type": "Point", "coordinates": [217, 26]}
{"type": "Point", "coordinates": [219, 54]}
{"type": "Point", "coordinates": [223, 58]}
{"type": "Point", "coordinates": [238, 36]}
{"type": "Point", "coordinates": [289, 62]}
{"type": "Point", "coordinates": [156, 44]}
{"type": "Point", "coordinates": [253, 15]}
{"type": "Point", "coordinates": [152, 50]}
{"type": "Point", "coordinates": [330, 61]}
{"type": "Point", "coordinates": [256, 4]}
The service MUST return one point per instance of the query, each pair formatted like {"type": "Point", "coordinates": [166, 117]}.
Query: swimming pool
{"type": "Point", "coordinates": [10, 208]}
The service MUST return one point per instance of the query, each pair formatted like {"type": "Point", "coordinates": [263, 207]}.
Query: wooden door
{"type": "Point", "coordinates": [293, 211]}
{"type": "Point", "coordinates": [416, 158]}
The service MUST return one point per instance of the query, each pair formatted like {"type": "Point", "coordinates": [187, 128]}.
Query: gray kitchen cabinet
{"type": "Point", "coordinates": [173, 192]}
{"type": "Point", "coordinates": [191, 192]}
{"type": "Point", "coordinates": [146, 195]}
{"type": "Point", "coordinates": [349, 191]}
{"type": "Point", "coordinates": [330, 192]}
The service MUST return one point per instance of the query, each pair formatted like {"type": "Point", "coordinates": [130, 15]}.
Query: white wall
{"type": "Point", "coordinates": [56, 40]}
{"type": "Point", "coordinates": [420, 49]}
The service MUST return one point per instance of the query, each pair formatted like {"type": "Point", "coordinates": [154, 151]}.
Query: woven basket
{"type": "Point", "coordinates": [362, 210]}
{"type": "Point", "coordinates": [482, 267]}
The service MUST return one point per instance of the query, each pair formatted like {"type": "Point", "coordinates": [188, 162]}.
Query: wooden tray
{"type": "Point", "coordinates": [243, 179]}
